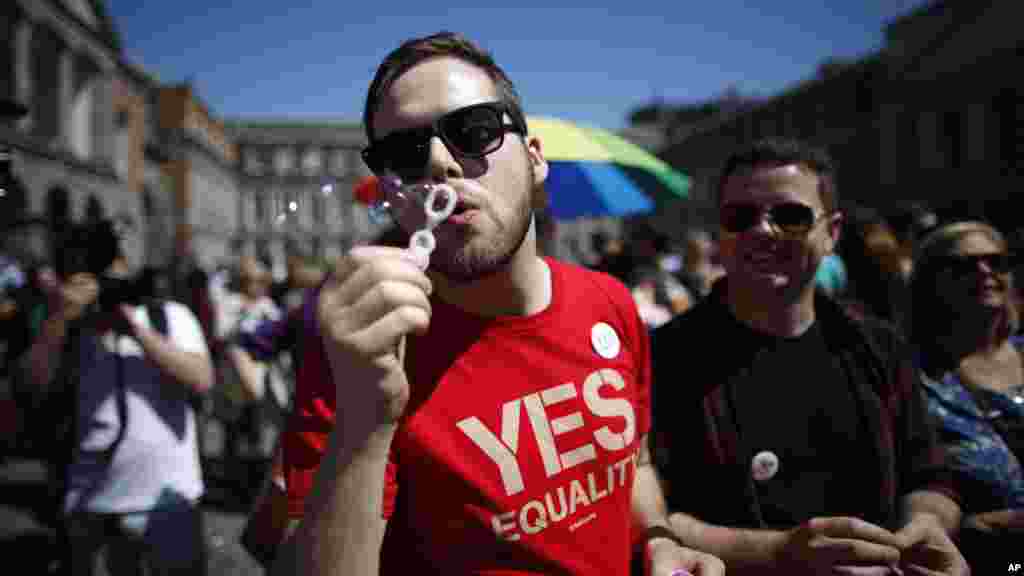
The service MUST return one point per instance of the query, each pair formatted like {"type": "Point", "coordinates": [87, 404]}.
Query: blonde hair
{"type": "Point", "coordinates": [940, 242]}
{"type": "Point", "coordinates": [930, 250]}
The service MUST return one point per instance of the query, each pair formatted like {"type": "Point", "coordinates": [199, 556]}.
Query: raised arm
{"type": "Point", "coordinates": [67, 302]}
{"type": "Point", "coordinates": [182, 355]}
{"type": "Point", "coordinates": [375, 297]}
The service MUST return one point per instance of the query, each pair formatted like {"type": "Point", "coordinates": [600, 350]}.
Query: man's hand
{"type": "Point", "coordinates": [373, 299]}
{"type": "Point", "coordinates": [668, 558]}
{"type": "Point", "coordinates": [928, 550]}
{"type": "Point", "coordinates": [68, 301]}
{"type": "Point", "coordinates": [837, 544]}
{"type": "Point", "coordinates": [1008, 520]}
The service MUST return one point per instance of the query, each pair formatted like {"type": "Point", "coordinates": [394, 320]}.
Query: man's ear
{"type": "Point", "coordinates": [536, 155]}
{"type": "Point", "coordinates": [539, 172]}
{"type": "Point", "coordinates": [835, 227]}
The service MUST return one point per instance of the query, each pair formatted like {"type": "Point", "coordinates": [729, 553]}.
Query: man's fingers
{"type": "Point", "coordinates": [852, 552]}
{"type": "Point", "coordinates": [927, 559]}
{"type": "Point", "coordinates": [926, 554]}
{"type": "Point", "coordinates": [669, 559]}
{"type": "Point", "coordinates": [916, 570]}
{"type": "Point", "coordinates": [381, 300]}
{"type": "Point", "coordinates": [855, 528]}
{"type": "Point", "coordinates": [367, 277]}
{"type": "Point", "coordinates": [387, 332]}
{"type": "Point", "coordinates": [866, 571]}
{"type": "Point", "coordinates": [360, 256]}
{"type": "Point", "coordinates": [708, 565]}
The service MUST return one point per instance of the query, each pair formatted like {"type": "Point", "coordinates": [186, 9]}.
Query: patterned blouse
{"type": "Point", "coordinates": [995, 478]}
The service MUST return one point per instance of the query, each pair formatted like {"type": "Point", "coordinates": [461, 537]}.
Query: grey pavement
{"type": "Point", "coordinates": [26, 537]}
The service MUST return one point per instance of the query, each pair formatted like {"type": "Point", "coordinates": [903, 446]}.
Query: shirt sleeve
{"type": "Point", "coordinates": [226, 310]}
{"type": "Point", "coordinates": [184, 330]}
{"type": "Point", "coordinates": [305, 439]}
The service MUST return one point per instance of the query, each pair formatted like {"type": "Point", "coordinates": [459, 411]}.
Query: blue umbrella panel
{"type": "Point", "coordinates": [592, 189]}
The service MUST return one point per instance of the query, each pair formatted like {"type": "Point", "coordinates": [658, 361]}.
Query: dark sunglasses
{"type": "Point", "coordinates": [471, 132]}
{"type": "Point", "coordinates": [966, 264]}
{"type": "Point", "coordinates": [791, 218]}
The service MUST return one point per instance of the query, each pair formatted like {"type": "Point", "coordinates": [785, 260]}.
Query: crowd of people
{"type": "Point", "coordinates": [801, 389]}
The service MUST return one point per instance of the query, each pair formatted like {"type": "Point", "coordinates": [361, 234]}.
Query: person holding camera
{"type": "Point", "coordinates": [122, 371]}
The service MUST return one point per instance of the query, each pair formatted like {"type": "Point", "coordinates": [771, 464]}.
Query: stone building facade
{"type": "Point", "coordinates": [934, 117]}
{"type": "Point", "coordinates": [105, 139]}
{"type": "Point", "coordinates": [295, 187]}
{"type": "Point", "coordinates": [199, 170]}
{"type": "Point", "coordinates": [79, 151]}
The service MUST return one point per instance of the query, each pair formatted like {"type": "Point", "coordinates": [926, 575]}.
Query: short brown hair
{"type": "Point", "coordinates": [783, 152]}
{"type": "Point", "coordinates": [441, 44]}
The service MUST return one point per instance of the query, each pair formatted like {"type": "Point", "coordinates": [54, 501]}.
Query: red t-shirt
{"type": "Point", "coordinates": [517, 452]}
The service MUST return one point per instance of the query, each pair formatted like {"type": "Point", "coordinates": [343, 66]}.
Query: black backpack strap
{"type": "Point", "coordinates": [157, 315]}
{"type": "Point", "coordinates": [157, 312]}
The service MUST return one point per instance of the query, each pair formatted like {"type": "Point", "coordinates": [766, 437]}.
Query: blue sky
{"type": "Point", "coordinates": [590, 62]}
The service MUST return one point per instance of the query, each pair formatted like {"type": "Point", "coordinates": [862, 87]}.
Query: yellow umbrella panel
{"type": "Point", "coordinates": [596, 173]}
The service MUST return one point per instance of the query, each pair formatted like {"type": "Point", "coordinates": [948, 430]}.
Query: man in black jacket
{"type": "Point", "coordinates": [791, 436]}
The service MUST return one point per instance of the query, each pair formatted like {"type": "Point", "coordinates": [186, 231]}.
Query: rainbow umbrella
{"type": "Point", "coordinates": [593, 172]}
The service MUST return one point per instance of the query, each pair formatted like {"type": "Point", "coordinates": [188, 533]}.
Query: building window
{"type": "Point", "coordinates": [318, 209]}
{"type": "Point", "coordinates": [339, 163]}
{"type": "Point", "coordinates": [284, 161]}
{"type": "Point", "coordinates": [312, 162]}
{"type": "Point", "coordinates": [94, 212]}
{"type": "Point", "coordinates": [291, 204]}
{"type": "Point", "coordinates": [259, 206]}
{"type": "Point", "coordinates": [253, 162]}
{"type": "Point", "coordinates": [58, 208]}
{"type": "Point", "coordinates": [13, 201]}
{"type": "Point", "coordinates": [952, 135]}
{"type": "Point", "coordinates": [8, 29]}
{"type": "Point", "coordinates": [1009, 113]}
{"type": "Point", "coordinates": [316, 247]}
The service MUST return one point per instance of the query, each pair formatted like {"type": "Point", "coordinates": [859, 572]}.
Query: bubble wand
{"type": "Point", "coordinates": [436, 200]}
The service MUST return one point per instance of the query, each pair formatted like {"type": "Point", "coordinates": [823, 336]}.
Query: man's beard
{"type": "Point", "coordinates": [467, 261]}
{"type": "Point", "coordinates": [484, 256]}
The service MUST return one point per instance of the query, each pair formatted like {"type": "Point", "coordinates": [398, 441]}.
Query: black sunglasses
{"type": "Point", "coordinates": [966, 264]}
{"type": "Point", "coordinates": [471, 132]}
{"type": "Point", "coordinates": [791, 218]}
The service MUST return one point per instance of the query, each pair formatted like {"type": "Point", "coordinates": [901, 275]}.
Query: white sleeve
{"type": "Point", "coordinates": [227, 312]}
{"type": "Point", "coordinates": [184, 330]}
{"type": "Point", "coordinates": [271, 310]}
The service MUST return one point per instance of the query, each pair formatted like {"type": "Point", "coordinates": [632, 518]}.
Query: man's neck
{"type": "Point", "coordinates": [775, 313]}
{"type": "Point", "coordinates": [521, 288]}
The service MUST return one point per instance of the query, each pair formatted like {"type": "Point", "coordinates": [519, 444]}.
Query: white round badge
{"type": "Point", "coordinates": [764, 466]}
{"type": "Point", "coordinates": [605, 340]}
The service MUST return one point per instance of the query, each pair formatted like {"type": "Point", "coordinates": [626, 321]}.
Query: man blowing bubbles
{"type": "Point", "coordinates": [494, 403]}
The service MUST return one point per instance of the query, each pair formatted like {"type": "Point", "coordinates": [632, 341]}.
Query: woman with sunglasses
{"type": "Point", "coordinates": [963, 319]}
